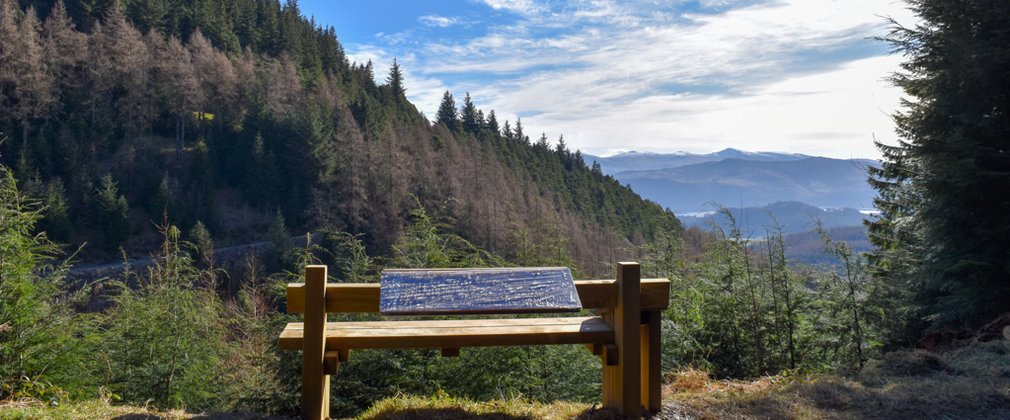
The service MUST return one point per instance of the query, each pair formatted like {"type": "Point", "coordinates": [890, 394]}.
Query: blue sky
{"type": "Point", "coordinates": [780, 75]}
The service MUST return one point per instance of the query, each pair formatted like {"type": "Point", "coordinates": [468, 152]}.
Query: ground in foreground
{"type": "Point", "coordinates": [969, 382]}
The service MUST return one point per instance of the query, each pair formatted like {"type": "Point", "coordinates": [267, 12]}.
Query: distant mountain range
{"type": "Point", "coordinates": [792, 216]}
{"type": "Point", "coordinates": [687, 183]}
{"type": "Point", "coordinates": [645, 161]}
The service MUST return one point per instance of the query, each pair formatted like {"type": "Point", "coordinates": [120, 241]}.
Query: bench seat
{"type": "Point", "coordinates": [455, 333]}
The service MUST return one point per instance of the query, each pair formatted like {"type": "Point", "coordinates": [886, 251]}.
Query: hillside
{"type": "Point", "coordinates": [792, 216]}
{"type": "Point", "coordinates": [231, 113]}
{"type": "Point", "coordinates": [817, 181]}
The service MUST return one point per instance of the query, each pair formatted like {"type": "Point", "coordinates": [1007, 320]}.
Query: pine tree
{"type": "Point", "coordinates": [112, 210]}
{"type": "Point", "coordinates": [35, 324]}
{"type": "Point", "coordinates": [395, 82]}
{"type": "Point", "coordinates": [203, 244]}
{"type": "Point", "coordinates": [954, 134]}
{"type": "Point", "coordinates": [447, 112]}
{"type": "Point", "coordinates": [492, 123]}
{"type": "Point", "coordinates": [468, 115]}
{"type": "Point", "coordinates": [519, 135]}
{"type": "Point", "coordinates": [57, 215]}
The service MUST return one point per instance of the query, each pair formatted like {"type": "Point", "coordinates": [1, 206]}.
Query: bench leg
{"type": "Point", "coordinates": [315, 382]}
{"type": "Point", "coordinates": [622, 382]}
{"type": "Point", "coordinates": [651, 363]}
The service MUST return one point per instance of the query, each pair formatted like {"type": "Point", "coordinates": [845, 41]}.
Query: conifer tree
{"type": "Point", "coordinates": [57, 215]}
{"type": "Point", "coordinates": [506, 131]}
{"type": "Point", "coordinates": [395, 82]}
{"type": "Point", "coordinates": [468, 115]}
{"type": "Point", "coordinates": [25, 83]}
{"type": "Point", "coordinates": [492, 123]}
{"type": "Point", "coordinates": [518, 132]}
{"type": "Point", "coordinates": [112, 210]}
{"type": "Point", "coordinates": [954, 132]}
{"type": "Point", "coordinates": [64, 49]}
{"type": "Point", "coordinates": [447, 112]}
{"type": "Point", "coordinates": [34, 322]}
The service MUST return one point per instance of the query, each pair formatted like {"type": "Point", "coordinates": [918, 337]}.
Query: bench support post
{"type": "Point", "coordinates": [651, 363]}
{"type": "Point", "coordinates": [315, 383]}
{"type": "Point", "coordinates": [622, 383]}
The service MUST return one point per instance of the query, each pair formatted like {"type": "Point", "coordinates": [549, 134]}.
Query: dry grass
{"type": "Point", "coordinates": [447, 408]}
{"type": "Point", "coordinates": [91, 409]}
{"type": "Point", "coordinates": [972, 382]}
{"type": "Point", "coordinates": [99, 409]}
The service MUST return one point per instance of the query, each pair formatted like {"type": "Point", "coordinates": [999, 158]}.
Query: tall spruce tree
{"type": "Point", "coordinates": [395, 82]}
{"type": "Point", "coordinates": [951, 171]}
{"type": "Point", "coordinates": [447, 111]}
{"type": "Point", "coordinates": [471, 121]}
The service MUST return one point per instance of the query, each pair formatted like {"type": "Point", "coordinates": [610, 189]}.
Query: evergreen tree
{"type": "Point", "coordinates": [468, 115]}
{"type": "Point", "coordinates": [164, 343]}
{"type": "Point", "coordinates": [112, 210]}
{"type": "Point", "coordinates": [954, 133]}
{"type": "Point", "coordinates": [57, 215]}
{"type": "Point", "coordinates": [492, 123]}
{"type": "Point", "coordinates": [447, 112]}
{"type": "Point", "coordinates": [203, 244]}
{"type": "Point", "coordinates": [506, 131]}
{"type": "Point", "coordinates": [518, 132]}
{"type": "Point", "coordinates": [395, 82]}
{"type": "Point", "coordinates": [37, 354]}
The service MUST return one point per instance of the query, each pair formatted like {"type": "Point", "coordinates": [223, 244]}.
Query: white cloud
{"type": "Point", "coordinates": [438, 21]}
{"type": "Point", "coordinates": [644, 75]}
{"type": "Point", "coordinates": [518, 6]}
{"type": "Point", "coordinates": [836, 113]}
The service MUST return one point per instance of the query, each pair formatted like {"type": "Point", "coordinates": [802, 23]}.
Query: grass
{"type": "Point", "coordinates": [88, 409]}
{"type": "Point", "coordinates": [447, 408]}
{"type": "Point", "coordinates": [396, 408]}
{"type": "Point", "coordinates": [972, 382]}
{"type": "Point", "coordinates": [969, 382]}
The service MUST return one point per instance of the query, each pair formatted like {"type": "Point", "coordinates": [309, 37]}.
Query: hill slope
{"type": "Point", "coordinates": [817, 181]}
{"type": "Point", "coordinates": [231, 113]}
{"type": "Point", "coordinates": [792, 216]}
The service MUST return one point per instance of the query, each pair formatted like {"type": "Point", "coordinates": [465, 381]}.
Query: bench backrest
{"type": "Point", "coordinates": [364, 297]}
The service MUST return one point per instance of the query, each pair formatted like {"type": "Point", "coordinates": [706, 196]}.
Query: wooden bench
{"type": "Point", "coordinates": [625, 334]}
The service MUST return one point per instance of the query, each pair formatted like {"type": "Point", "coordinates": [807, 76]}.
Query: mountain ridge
{"type": "Point", "coordinates": [639, 160]}
{"type": "Point", "coordinates": [689, 183]}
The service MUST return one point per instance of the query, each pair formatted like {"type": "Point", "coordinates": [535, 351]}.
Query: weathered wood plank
{"type": "Point", "coordinates": [622, 383]}
{"type": "Point", "coordinates": [478, 291]}
{"type": "Point", "coordinates": [315, 383]}
{"type": "Point", "coordinates": [341, 297]}
{"type": "Point", "coordinates": [364, 297]}
{"type": "Point", "coordinates": [455, 333]}
{"type": "Point", "coordinates": [331, 362]}
{"type": "Point", "coordinates": [652, 386]}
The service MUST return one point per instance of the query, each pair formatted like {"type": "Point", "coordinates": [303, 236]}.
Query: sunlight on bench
{"type": "Point", "coordinates": [625, 334]}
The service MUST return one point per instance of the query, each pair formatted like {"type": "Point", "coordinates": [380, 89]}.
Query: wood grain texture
{"type": "Point", "coordinates": [652, 385]}
{"type": "Point", "coordinates": [331, 362]}
{"type": "Point", "coordinates": [315, 383]}
{"type": "Point", "coordinates": [622, 383]}
{"type": "Point", "coordinates": [455, 333]}
{"type": "Point", "coordinates": [364, 297]}
{"type": "Point", "coordinates": [478, 291]}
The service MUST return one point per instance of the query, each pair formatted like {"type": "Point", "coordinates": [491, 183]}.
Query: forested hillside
{"type": "Point", "coordinates": [171, 128]}
{"type": "Point", "coordinates": [229, 113]}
